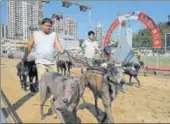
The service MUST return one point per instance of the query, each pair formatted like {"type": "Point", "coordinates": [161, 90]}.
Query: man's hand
{"type": "Point", "coordinates": [79, 52]}
{"type": "Point", "coordinates": [28, 48]}
{"type": "Point", "coordinates": [61, 51]}
{"type": "Point", "coordinates": [24, 59]}
{"type": "Point", "coordinates": [101, 55]}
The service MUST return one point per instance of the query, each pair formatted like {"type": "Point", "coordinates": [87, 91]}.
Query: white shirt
{"type": "Point", "coordinates": [90, 47]}
{"type": "Point", "coordinates": [44, 47]}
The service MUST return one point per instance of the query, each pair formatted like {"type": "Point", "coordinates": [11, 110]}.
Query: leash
{"type": "Point", "coordinates": [76, 59]}
{"type": "Point", "coordinates": [70, 57]}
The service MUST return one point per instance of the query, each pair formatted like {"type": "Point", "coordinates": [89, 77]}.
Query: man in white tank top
{"type": "Point", "coordinates": [45, 44]}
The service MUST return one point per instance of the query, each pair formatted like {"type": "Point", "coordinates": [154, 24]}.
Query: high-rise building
{"type": "Point", "coordinates": [99, 33]}
{"type": "Point", "coordinates": [64, 25]}
{"type": "Point", "coordinates": [21, 16]}
{"type": "Point", "coordinates": [4, 31]}
{"type": "Point", "coordinates": [71, 27]}
{"type": "Point", "coordinates": [11, 19]}
{"type": "Point", "coordinates": [58, 24]}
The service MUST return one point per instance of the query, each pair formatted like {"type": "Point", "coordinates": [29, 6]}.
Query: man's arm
{"type": "Point", "coordinates": [58, 44]}
{"type": "Point", "coordinates": [97, 47]}
{"type": "Point", "coordinates": [29, 47]}
{"type": "Point", "coordinates": [79, 51]}
{"type": "Point", "coordinates": [82, 48]}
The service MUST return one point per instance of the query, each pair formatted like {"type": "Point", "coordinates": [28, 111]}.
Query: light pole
{"type": "Point", "coordinates": [83, 8]}
{"type": "Point", "coordinates": [89, 17]}
{"type": "Point", "coordinates": [165, 43]}
{"type": "Point", "coordinates": [58, 16]}
{"type": "Point", "coordinates": [118, 13]}
{"type": "Point", "coordinates": [166, 35]}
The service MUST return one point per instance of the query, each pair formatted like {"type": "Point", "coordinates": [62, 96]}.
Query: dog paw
{"type": "Point", "coordinates": [24, 88]}
{"type": "Point", "coordinates": [138, 86]}
{"type": "Point", "coordinates": [42, 117]}
{"type": "Point", "coordinates": [55, 115]}
{"type": "Point", "coordinates": [100, 119]}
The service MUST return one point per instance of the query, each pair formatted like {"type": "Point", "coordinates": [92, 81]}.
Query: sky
{"type": "Point", "coordinates": [104, 13]}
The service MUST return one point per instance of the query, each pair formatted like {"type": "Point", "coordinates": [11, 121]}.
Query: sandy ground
{"type": "Point", "coordinates": [150, 103]}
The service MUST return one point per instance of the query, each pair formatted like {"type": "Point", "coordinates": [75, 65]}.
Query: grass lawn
{"type": "Point", "coordinates": [152, 60]}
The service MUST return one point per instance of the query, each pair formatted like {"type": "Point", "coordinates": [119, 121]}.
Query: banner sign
{"type": "Point", "coordinates": [142, 17]}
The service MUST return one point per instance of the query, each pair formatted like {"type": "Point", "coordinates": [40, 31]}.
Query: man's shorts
{"type": "Point", "coordinates": [45, 68]}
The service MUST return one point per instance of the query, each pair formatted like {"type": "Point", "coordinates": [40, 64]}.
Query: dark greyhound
{"type": "Point", "coordinates": [132, 70]}
{"type": "Point", "coordinates": [98, 62]}
{"type": "Point", "coordinates": [64, 66]}
{"type": "Point", "coordinates": [65, 90]}
{"type": "Point", "coordinates": [24, 70]}
{"type": "Point", "coordinates": [104, 84]}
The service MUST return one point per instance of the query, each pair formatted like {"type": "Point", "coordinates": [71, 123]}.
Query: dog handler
{"type": "Point", "coordinates": [45, 43]}
{"type": "Point", "coordinates": [90, 46]}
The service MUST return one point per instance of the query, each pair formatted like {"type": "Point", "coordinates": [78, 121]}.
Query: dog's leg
{"type": "Point", "coordinates": [96, 106]}
{"type": "Point", "coordinates": [53, 108]}
{"type": "Point", "coordinates": [58, 69]}
{"type": "Point", "coordinates": [137, 81]}
{"type": "Point", "coordinates": [143, 69]}
{"type": "Point", "coordinates": [64, 72]}
{"type": "Point", "coordinates": [130, 78]}
{"type": "Point", "coordinates": [59, 114]}
{"type": "Point", "coordinates": [68, 72]}
{"type": "Point", "coordinates": [31, 83]}
{"type": "Point", "coordinates": [107, 104]}
{"type": "Point", "coordinates": [21, 81]}
{"type": "Point", "coordinates": [75, 115]}
{"type": "Point", "coordinates": [43, 97]}
{"type": "Point", "coordinates": [36, 77]}
{"type": "Point", "coordinates": [83, 99]}
{"type": "Point", "coordinates": [61, 70]}
{"type": "Point", "coordinates": [30, 78]}
{"type": "Point", "coordinates": [25, 82]}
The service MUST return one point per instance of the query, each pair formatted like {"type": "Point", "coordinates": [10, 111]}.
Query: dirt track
{"type": "Point", "coordinates": [150, 103]}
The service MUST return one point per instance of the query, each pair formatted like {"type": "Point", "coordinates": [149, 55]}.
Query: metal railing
{"type": "Point", "coordinates": [9, 109]}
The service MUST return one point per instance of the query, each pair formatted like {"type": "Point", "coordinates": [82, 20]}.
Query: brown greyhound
{"type": "Point", "coordinates": [104, 84]}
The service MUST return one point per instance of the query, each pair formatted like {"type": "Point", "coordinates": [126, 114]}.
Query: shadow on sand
{"type": "Point", "coordinates": [68, 116]}
{"type": "Point", "coordinates": [21, 101]}
{"type": "Point", "coordinates": [90, 107]}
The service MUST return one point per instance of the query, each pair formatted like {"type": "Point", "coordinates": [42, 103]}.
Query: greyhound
{"type": "Point", "coordinates": [24, 69]}
{"type": "Point", "coordinates": [103, 84]}
{"type": "Point", "coordinates": [65, 90]}
{"type": "Point", "coordinates": [64, 65]}
{"type": "Point", "coordinates": [132, 71]}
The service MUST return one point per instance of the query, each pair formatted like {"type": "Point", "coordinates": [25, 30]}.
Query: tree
{"type": "Point", "coordinates": [143, 38]}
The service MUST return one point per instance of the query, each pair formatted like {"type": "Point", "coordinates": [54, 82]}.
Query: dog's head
{"type": "Point", "coordinates": [136, 66]}
{"type": "Point", "coordinates": [71, 95]}
{"type": "Point", "coordinates": [97, 62]}
{"type": "Point", "coordinates": [22, 69]}
{"type": "Point", "coordinates": [115, 72]}
{"type": "Point", "coordinates": [70, 87]}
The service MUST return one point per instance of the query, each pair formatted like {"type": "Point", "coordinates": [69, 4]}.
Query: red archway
{"type": "Point", "coordinates": [142, 17]}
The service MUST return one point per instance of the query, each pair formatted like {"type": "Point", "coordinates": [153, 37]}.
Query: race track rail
{"type": "Point", "coordinates": [10, 109]}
